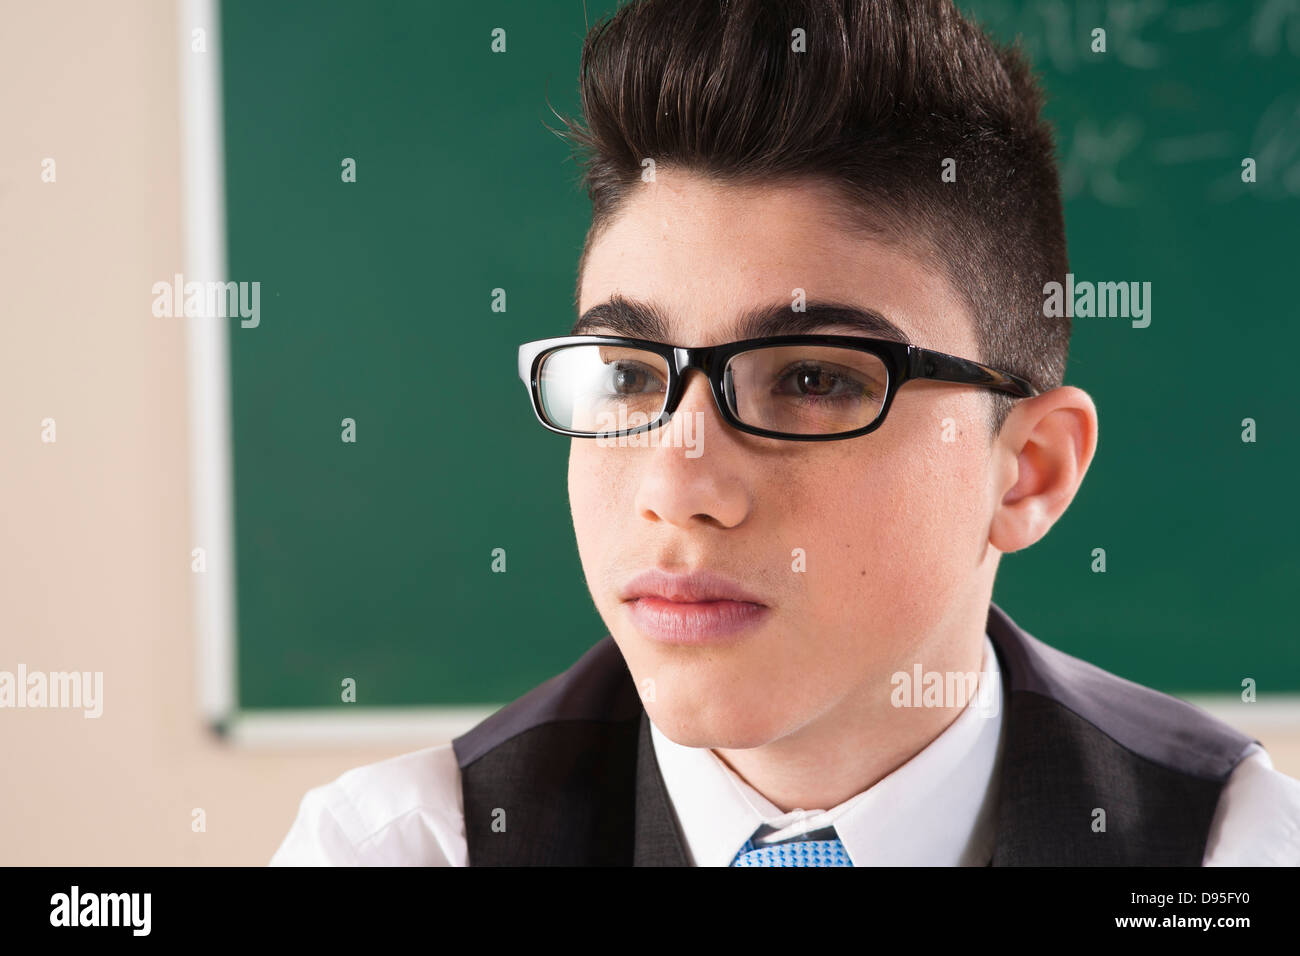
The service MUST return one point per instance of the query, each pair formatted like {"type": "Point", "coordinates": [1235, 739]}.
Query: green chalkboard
{"type": "Point", "coordinates": [372, 559]}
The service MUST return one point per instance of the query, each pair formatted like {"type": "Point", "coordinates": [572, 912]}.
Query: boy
{"type": "Point", "coordinates": [798, 208]}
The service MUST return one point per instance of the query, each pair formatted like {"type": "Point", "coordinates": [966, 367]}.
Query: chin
{"type": "Point", "coordinates": [718, 725]}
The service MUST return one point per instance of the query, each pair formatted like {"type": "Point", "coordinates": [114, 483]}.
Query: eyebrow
{"type": "Point", "coordinates": [637, 319]}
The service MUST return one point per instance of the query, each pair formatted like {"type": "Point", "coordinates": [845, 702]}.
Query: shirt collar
{"type": "Point", "coordinates": [934, 810]}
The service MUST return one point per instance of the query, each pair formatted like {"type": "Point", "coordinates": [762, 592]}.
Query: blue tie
{"type": "Point", "coordinates": [817, 852]}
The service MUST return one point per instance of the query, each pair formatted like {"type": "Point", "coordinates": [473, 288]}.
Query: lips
{"type": "Point", "coordinates": [694, 588]}
{"type": "Point", "coordinates": [696, 608]}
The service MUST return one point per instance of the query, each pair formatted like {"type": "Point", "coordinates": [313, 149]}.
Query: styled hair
{"type": "Point", "coordinates": [871, 98]}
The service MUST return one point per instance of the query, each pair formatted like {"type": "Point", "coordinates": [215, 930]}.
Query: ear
{"type": "Point", "coordinates": [1041, 456]}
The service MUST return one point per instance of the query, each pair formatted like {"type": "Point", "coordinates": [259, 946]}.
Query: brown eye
{"type": "Point", "coordinates": [814, 381]}
{"type": "Point", "coordinates": [632, 378]}
{"type": "Point", "coordinates": [808, 380]}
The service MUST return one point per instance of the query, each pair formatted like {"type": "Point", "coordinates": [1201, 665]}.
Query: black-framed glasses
{"type": "Point", "coordinates": [795, 387]}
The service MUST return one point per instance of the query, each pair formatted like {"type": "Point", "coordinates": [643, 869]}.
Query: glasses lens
{"type": "Point", "coordinates": [806, 389]}
{"type": "Point", "coordinates": [602, 388]}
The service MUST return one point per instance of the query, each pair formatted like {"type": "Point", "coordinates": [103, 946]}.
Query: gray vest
{"type": "Point", "coordinates": [566, 775]}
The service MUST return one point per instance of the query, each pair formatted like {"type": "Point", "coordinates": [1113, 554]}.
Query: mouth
{"type": "Point", "coordinates": [700, 607]}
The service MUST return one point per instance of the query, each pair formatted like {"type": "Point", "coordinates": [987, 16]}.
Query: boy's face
{"type": "Point", "coordinates": [894, 524]}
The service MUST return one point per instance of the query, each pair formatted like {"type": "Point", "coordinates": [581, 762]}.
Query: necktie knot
{"type": "Point", "coordinates": [820, 848]}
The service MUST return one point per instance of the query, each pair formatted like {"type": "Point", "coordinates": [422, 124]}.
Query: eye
{"type": "Point", "coordinates": [818, 382]}
{"type": "Point", "coordinates": [632, 378]}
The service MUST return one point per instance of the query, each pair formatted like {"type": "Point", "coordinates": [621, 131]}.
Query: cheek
{"type": "Point", "coordinates": [582, 500]}
{"type": "Point", "coordinates": [896, 529]}
{"type": "Point", "coordinates": [596, 488]}
{"type": "Point", "coordinates": [948, 512]}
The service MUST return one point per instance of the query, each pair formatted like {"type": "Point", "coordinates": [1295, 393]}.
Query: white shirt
{"type": "Point", "coordinates": [935, 810]}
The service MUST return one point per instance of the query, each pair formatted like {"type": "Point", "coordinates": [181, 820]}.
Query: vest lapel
{"type": "Point", "coordinates": [658, 841]}
{"type": "Point", "coordinates": [1071, 795]}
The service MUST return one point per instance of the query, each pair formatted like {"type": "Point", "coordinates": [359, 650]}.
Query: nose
{"type": "Point", "coordinates": [706, 489]}
{"type": "Point", "coordinates": [697, 396]}
{"type": "Point", "coordinates": [697, 386]}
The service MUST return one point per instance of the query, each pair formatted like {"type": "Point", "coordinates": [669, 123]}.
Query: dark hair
{"type": "Point", "coordinates": [886, 90]}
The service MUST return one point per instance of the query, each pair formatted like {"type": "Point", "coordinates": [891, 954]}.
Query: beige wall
{"type": "Point", "coordinates": [94, 566]}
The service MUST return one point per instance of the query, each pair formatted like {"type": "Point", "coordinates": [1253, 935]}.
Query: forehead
{"type": "Point", "coordinates": [706, 257]}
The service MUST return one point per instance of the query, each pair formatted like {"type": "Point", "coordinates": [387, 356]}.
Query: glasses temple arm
{"type": "Point", "coordinates": [941, 367]}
